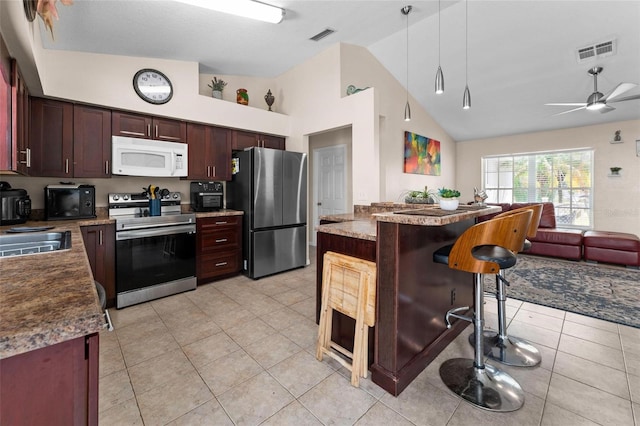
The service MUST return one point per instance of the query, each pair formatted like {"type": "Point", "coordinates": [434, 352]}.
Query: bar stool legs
{"type": "Point", "coordinates": [476, 382]}
{"type": "Point", "coordinates": [499, 346]}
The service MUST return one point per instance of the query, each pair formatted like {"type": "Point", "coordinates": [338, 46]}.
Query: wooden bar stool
{"type": "Point", "coordinates": [499, 346]}
{"type": "Point", "coordinates": [349, 287]}
{"type": "Point", "coordinates": [485, 248]}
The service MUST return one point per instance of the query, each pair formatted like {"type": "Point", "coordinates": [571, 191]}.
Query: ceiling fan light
{"type": "Point", "coordinates": [466, 98]}
{"type": "Point", "coordinates": [595, 106]}
{"type": "Point", "coordinates": [407, 112]}
{"type": "Point", "coordinates": [245, 8]}
{"type": "Point", "coordinates": [439, 81]}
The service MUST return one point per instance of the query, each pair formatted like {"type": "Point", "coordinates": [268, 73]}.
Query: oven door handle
{"type": "Point", "coordinates": [155, 232]}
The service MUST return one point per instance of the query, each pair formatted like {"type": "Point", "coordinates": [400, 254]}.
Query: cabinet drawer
{"type": "Point", "coordinates": [227, 238]}
{"type": "Point", "coordinates": [213, 265]}
{"type": "Point", "coordinates": [213, 223]}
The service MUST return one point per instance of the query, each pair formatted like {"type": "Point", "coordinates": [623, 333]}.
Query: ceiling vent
{"type": "Point", "coordinates": [598, 50]}
{"type": "Point", "coordinates": [322, 34]}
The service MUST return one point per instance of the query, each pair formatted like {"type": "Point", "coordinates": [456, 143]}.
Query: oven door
{"type": "Point", "coordinates": [153, 263]}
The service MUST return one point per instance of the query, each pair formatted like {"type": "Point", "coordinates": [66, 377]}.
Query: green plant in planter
{"type": "Point", "coordinates": [217, 85]}
{"type": "Point", "coordinates": [426, 196]}
{"type": "Point", "coordinates": [448, 193]}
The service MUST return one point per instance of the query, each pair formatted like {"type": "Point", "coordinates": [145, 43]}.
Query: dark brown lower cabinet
{"type": "Point", "coordinates": [100, 245]}
{"type": "Point", "coordinates": [55, 385]}
{"type": "Point", "coordinates": [219, 247]}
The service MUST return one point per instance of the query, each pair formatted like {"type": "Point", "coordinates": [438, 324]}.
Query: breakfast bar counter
{"type": "Point", "coordinates": [414, 293]}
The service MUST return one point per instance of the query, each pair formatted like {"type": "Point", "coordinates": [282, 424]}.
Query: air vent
{"type": "Point", "coordinates": [598, 50]}
{"type": "Point", "coordinates": [322, 34]}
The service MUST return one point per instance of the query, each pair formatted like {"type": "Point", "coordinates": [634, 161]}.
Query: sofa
{"type": "Point", "coordinates": [550, 241]}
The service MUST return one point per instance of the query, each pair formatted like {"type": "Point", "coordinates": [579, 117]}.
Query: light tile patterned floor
{"type": "Point", "coordinates": [241, 352]}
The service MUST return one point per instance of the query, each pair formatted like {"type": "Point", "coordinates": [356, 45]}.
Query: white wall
{"type": "Point", "coordinates": [361, 69]}
{"type": "Point", "coordinates": [616, 203]}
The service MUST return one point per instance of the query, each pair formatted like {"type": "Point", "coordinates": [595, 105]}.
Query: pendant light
{"type": "Point", "coordinates": [466, 98]}
{"type": "Point", "coordinates": [439, 75]}
{"type": "Point", "coordinates": [407, 108]}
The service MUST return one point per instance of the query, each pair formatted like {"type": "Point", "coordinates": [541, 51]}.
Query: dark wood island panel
{"type": "Point", "coordinates": [413, 296]}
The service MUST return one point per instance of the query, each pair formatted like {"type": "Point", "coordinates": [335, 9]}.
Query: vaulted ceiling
{"type": "Point", "coordinates": [520, 54]}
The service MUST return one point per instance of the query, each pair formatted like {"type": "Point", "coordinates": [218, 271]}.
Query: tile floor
{"type": "Point", "coordinates": [241, 352]}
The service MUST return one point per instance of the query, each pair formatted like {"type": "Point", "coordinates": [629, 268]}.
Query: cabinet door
{"type": "Point", "coordinates": [275, 142]}
{"type": "Point", "coordinates": [132, 125]}
{"type": "Point", "coordinates": [221, 155]}
{"type": "Point", "coordinates": [241, 140]}
{"type": "Point", "coordinates": [169, 130]}
{"type": "Point", "coordinates": [199, 147]}
{"type": "Point", "coordinates": [99, 242]}
{"type": "Point", "coordinates": [56, 384]}
{"type": "Point", "coordinates": [91, 141]}
{"type": "Point", "coordinates": [51, 138]}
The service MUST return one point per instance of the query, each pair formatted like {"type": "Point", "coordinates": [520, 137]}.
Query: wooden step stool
{"type": "Point", "coordinates": [349, 287]}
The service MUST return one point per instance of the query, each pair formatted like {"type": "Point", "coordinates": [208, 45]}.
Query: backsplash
{"type": "Point", "coordinates": [35, 186]}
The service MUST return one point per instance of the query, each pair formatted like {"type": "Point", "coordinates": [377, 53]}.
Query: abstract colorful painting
{"type": "Point", "coordinates": [421, 155]}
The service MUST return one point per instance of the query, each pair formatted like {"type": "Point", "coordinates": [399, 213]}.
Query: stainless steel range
{"type": "Point", "coordinates": [155, 255]}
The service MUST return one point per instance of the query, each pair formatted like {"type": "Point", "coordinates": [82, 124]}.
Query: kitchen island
{"type": "Point", "coordinates": [414, 293]}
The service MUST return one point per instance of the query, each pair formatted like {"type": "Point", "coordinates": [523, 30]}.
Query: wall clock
{"type": "Point", "coordinates": [153, 86]}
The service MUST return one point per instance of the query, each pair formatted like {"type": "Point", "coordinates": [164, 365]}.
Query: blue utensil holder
{"type": "Point", "coordinates": [154, 207]}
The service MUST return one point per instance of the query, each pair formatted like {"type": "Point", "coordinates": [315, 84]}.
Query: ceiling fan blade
{"type": "Point", "coordinates": [569, 104]}
{"type": "Point", "coordinates": [628, 98]}
{"type": "Point", "coordinates": [571, 110]}
{"type": "Point", "coordinates": [606, 109]}
{"type": "Point", "coordinates": [619, 90]}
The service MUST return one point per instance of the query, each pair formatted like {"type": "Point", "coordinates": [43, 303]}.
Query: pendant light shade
{"type": "Point", "coordinates": [407, 108]}
{"type": "Point", "coordinates": [407, 112]}
{"type": "Point", "coordinates": [466, 98]}
{"type": "Point", "coordinates": [439, 74]}
{"type": "Point", "coordinates": [439, 81]}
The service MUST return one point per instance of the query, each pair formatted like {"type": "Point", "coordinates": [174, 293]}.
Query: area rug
{"type": "Point", "coordinates": [601, 291]}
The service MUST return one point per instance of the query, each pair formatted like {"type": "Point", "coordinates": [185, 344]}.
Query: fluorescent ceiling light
{"type": "Point", "coordinates": [245, 8]}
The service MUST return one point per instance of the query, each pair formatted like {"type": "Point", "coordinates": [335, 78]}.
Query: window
{"type": "Point", "coordinates": [561, 177]}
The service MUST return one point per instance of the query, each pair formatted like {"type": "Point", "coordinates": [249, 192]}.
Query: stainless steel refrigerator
{"type": "Point", "coordinates": [270, 186]}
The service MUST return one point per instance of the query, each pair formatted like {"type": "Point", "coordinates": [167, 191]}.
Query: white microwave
{"type": "Point", "coordinates": [145, 157]}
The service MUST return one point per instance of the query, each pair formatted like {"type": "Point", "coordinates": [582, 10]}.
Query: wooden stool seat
{"type": "Point", "coordinates": [349, 287]}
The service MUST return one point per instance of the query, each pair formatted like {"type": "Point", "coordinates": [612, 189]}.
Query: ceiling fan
{"type": "Point", "coordinates": [597, 101]}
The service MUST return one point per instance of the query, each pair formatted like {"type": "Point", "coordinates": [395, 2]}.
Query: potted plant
{"type": "Point", "coordinates": [217, 86]}
{"type": "Point", "coordinates": [615, 170]}
{"type": "Point", "coordinates": [427, 196]}
{"type": "Point", "coordinates": [448, 198]}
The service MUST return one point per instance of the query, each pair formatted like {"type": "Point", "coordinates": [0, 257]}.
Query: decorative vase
{"type": "Point", "coordinates": [217, 94]}
{"type": "Point", "coordinates": [449, 203]}
{"type": "Point", "coordinates": [242, 97]}
{"type": "Point", "coordinates": [269, 98]}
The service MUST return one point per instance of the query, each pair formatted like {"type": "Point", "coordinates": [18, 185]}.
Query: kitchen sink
{"type": "Point", "coordinates": [34, 243]}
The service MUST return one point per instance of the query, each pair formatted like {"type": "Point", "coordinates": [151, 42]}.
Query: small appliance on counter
{"type": "Point", "coordinates": [206, 196]}
{"type": "Point", "coordinates": [69, 201]}
{"type": "Point", "coordinates": [15, 203]}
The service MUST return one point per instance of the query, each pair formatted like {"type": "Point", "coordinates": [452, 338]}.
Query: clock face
{"type": "Point", "coordinates": [152, 86]}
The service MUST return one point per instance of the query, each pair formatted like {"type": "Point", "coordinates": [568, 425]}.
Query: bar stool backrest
{"type": "Point", "coordinates": [535, 219]}
{"type": "Point", "coordinates": [508, 232]}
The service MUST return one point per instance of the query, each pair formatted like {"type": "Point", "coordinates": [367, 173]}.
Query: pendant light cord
{"type": "Point", "coordinates": [407, 108]}
{"type": "Point", "coordinates": [466, 40]}
{"type": "Point", "coordinates": [439, 32]}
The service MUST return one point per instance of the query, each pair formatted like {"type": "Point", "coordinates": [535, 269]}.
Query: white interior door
{"type": "Point", "coordinates": [330, 169]}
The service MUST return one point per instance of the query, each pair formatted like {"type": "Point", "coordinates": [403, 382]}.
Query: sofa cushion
{"type": "Point", "coordinates": [612, 240]}
{"type": "Point", "coordinates": [548, 218]}
{"type": "Point", "coordinates": [571, 237]}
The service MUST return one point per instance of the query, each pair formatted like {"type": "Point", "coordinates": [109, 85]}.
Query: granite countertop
{"type": "Point", "coordinates": [47, 298]}
{"type": "Point", "coordinates": [435, 216]}
{"type": "Point", "coordinates": [363, 224]}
